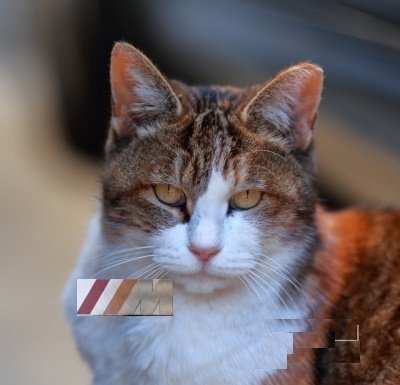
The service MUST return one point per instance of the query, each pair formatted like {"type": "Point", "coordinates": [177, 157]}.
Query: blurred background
{"type": "Point", "coordinates": [54, 110]}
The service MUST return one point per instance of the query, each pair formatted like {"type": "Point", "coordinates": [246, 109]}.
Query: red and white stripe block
{"type": "Point", "coordinates": [124, 297]}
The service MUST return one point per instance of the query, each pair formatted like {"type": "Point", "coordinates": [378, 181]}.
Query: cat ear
{"type": "Point", "coordinates": [140, 94]}
{"type": "Point", "coordinates": [286, 107]}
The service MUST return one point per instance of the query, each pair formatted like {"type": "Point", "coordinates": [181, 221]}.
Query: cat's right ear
{"type": "Point", "coordinates": [141, 96]}
{"type": "Point", "coordinates": [285, 108]}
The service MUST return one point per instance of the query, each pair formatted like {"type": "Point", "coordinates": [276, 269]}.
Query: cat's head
{"type": "Point", "coordinates": [216, 182]}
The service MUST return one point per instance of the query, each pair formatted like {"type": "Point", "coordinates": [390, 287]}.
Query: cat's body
{"type": "Point", "coordinates": [366, 267]}
{"type": "Point", "coordinates": [207, 341]}
{"type": "Point", "coordinates": [213, 187]}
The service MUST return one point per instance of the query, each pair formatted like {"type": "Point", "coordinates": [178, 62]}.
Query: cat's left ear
{"type": "Point", "coordinates": [141, 96]}
{"type": "Point", "coordinates": [285, 109]}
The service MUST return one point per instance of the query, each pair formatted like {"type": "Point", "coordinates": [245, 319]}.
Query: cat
{"type": "Point", "coordinates": [213, 187]}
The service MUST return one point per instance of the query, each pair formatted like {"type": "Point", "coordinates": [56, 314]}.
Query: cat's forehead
{"type": "Point", "coordinates": [211, 120]}
{"type": "Point", "coordinates": [211, 139]}
{"type": "Point", "coordinates": [208, 136]}
{"type": "Point", "coordinates": [223, 98]}
{"type": "Point", "coordinates": [208, 146]}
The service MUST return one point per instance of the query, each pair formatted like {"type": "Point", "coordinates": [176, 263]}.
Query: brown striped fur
{"type": "Point", "coordinates": [351, 260]}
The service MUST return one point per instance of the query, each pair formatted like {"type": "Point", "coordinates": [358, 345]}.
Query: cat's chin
{"type": "Point", "coordinates": [202, 283]}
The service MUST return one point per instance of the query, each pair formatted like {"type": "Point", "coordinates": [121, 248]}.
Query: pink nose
{"type": "Point", "coordinates": [204, 254]}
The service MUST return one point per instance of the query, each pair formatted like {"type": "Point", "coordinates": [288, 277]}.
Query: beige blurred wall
{"type": "Point", "coordinates": [46, 198]}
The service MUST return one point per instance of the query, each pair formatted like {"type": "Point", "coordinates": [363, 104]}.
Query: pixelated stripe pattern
{"type": "Point", "coordinates": [124, 297]}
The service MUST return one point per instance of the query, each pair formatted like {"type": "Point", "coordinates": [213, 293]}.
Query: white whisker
{"type": "Point", "coordinates": [285, 274]}
{"type": "Point", "coordinates": [115, 252]}
{"type": "Point", "coordinates": [139, 273]}
{"type": "Point", "coordinates": [125, 261]}
{"type": "Point", "coordinates": [121, 258]}
{"type": "Point", "coordinates": [162, 275]}
{"type": "Point", "coordinates": [154, 271]}
{"type": "Point", "coordinates": [257, 277]}
{"type": "Point", "coordinates": [273, 280]}
{"type": "Point", "coordinates": [271, 152]}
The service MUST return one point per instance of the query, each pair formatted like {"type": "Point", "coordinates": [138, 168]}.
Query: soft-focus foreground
{"type": "Point", "coordinates": [45, 202]}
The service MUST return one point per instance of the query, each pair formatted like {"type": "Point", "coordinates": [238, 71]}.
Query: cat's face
{"type": "Point", "coordinates": [217, 182]}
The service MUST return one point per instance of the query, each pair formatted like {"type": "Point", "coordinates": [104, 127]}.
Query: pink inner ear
{"type": "Point", "coordinates": [310, 96]}
{"type": "Point", "coordinates": [139, 91]}
{"type": "Point", "coordinates": [305, 112]}
{"type": "Point", "coordinates": [289, 103]}
{"type": "Point", "coordinates": [121, 83]}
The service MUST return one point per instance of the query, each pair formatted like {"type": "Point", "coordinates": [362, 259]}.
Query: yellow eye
{"type": "Point", "coordinates": [246, 199]}
{"type": "Point", "coordinates": [169, 195]}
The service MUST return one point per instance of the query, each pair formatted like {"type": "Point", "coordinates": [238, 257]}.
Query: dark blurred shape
{"type": "Point", "coordinates": [357, 42]}
{"type": "Point", "coordinates": [386, 9]}
{"type": "Point", "coordinates": [83, 66]}
{"type": "Point", "coordinates": [240, 43]}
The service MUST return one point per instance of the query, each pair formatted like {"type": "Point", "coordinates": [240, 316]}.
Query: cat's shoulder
{"type": "Point", "coordinates": [360, 253]}
{"type": "Point", "coordinates": [364, 260]}
{"type": "Point", "coordinates": [360, 232]}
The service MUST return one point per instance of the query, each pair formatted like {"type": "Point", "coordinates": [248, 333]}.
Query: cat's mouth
{"type": "Point", "coordinates": [202, 274]}
{"type": "Point", "coordinates": [201, 282]}
{"type": "Point", "coordinates": [208, 272]}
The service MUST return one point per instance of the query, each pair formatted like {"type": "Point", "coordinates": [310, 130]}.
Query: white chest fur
{"type": "Point", "coordinates": [220, 341]}
{"type": "Point", "coordinates": [211, 339]}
